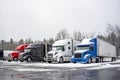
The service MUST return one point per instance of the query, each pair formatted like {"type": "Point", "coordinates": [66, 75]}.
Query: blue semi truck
{"type": "Point", "coordinates": [94, 50]}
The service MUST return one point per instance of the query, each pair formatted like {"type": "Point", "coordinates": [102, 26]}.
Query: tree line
{"type": "Point", "coordinates": [111, 35]}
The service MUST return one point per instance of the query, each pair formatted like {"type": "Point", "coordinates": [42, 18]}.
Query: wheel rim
{"type": "Point", "coordinates": [29, 59]}
{"type": "Point", "coordinates": [15, 59]}
{"type": "Point", "coordinates": [61, 60]}
{"type": "Point", "coordinates": [90, 60]}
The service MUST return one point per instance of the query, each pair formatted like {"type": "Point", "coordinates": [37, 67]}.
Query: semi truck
{"type": "Point", "coordinates": [35, 52]}
{"type": "Point", "coordinates": [94, 50]}
{"type": "Point", "coordinates": [62, 51]}
{"type": "Point", "coordinates": [14, 55]}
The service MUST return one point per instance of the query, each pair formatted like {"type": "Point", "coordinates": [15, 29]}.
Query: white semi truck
{"type": "Point", "coordinates": [62, 51]}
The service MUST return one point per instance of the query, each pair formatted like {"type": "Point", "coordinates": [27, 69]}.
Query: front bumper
{"type": "Point", "coordinates": [52, 59]}
{"type": "Point", "coordinates": [79, 60]}
{"type": "Point", "coordinates": [21, 58]}
{"type": "Point", "coordinates": [9, 58]}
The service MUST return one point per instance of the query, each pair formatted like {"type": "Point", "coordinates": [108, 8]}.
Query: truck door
{"type": "Point", "coordinates": [33, 54]}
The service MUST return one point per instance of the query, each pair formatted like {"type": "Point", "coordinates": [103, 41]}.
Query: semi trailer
{"type": "Point", "coordinates": [1, 54]}
{"type": "Point", "coordinates": [35, 52]}
{"type": "Point", "coordinates": [94, 50]}
{"type": "Point", "coordinates": [4, 54]}
{"type": "Point", "coordinates": [62, 51]}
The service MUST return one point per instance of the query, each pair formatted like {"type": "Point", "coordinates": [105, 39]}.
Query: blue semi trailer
{"type": "Point", "coordinates": [94, 50]}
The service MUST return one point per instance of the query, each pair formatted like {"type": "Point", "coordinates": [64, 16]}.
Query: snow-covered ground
{"type": "Point", "coordinates": [71, 66]}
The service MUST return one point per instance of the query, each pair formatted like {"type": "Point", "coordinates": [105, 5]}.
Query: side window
{"type": "Point", "coordinates": [91, 48]}
{"type": "Point", "coordinates": [63, 48]}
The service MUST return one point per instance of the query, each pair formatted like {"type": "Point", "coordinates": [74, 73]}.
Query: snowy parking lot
{"type": "Point", "coordinates": [63, 71]}
{"type": "Point", "coordinates": [58, 66]}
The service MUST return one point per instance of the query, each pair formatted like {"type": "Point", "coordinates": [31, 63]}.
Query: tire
{"type": "Point", "coordinates": [49, 61]}
{"type": "Point", "coordinates": [21, 60]}
{"type": "Point", "coordinates": [97, 60]}
{"type": "Point", "coordinates": [61, 60]}
{"type": "Point", "coordinates": [74, 62]}
{"type": "Point", "coordinates": [29, 59]}
{"type": "Point", "coordinates": [9, 60]}
{"type": "Point", "coordinates": [90, 60]}
{"type": "Point", "coordinates": [15, 59]}
{"type": "Point", "coordinates": [113, 59]}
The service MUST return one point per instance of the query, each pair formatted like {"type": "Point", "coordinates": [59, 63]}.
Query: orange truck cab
{"type": "Point", "coordinates": [14, 55]}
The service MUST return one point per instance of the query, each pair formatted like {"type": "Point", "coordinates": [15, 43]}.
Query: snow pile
{"type": "Point", "coordinates": [104, 66]}
{"type": "Point", "coordinates": [34, 69]}
{"type": "Point", "coordinates": [10, 63]}
{"type": "Point", "coordinates": [64, 65]}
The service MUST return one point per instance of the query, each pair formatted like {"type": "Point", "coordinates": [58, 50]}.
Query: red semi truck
{"type": "Point", "coordinates": [14, 55]}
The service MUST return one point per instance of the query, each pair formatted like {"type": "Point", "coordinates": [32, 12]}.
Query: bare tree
{"type": "Point", "coordinates": [11, 44]}
{"type": "Point", "coordinates": [77, 35]}
{"type": "Point", "coordinates": [62, 34]}
{"type": "Point", "coordinates": [28, 41]}
{"type": "Point", "coordinates": [51, 40]}
{"type": "Point", "coordinates": [114, 36]}
{"type": "Point", "coordinates": [21, 41]}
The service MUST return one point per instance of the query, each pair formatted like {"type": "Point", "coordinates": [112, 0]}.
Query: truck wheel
{"type": "Point", "coordinates": [97, 60]}
{"type": "Point", "coordinates": [9, 60]}
{"type": "Point", "coordinates": [113, 59]}
{"type": "Point", "coordinates": [21, 60]}
{"type": "Point", "coordinates": [74, 62]}
{"type": "Point", "coordinates": [49, 61]}
{"type": "Point", "coordinates": [29, 59]}
{"type": "Point", "coordinates": [61, 60]}
{"type": "Point", "coordinates": [15, 59]}
{"type": "Point", "coordinates": [90, 60]}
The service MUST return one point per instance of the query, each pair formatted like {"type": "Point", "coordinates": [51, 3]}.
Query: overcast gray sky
{"type": "Point", "coordinates": [39, 19]}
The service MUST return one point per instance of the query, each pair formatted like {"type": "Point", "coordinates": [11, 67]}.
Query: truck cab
{"type": "Point", "coordinates": [62, 51]}
{"type": "Point", "coordinates": [85, 51]}
{"type": "Point", "coordinates": [14, 55]}
{"type": "Point", "coordinates": [34, 52]}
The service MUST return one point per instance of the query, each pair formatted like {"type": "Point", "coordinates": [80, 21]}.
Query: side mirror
{"type": "Point", "coordinates": [63, 49]}
{"type": "Point", "coordinates": [91, 48]}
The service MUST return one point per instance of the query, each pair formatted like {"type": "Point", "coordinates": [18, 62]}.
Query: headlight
{"type": "Point", "coordinates": [72, 56]}
{"type": "Point", "coordinates": [56, 57]}
{"type": "Point", "coordinates": [86, 56]}
{"type": "Point", "coordinates": [24, 57]}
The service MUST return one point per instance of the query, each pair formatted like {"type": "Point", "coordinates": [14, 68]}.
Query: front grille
{"type": "Point", "coordinates": [77, 55]}
{"type": "Point", "coordinates": [20, 56]}
{"type": "Point", "coordinates": [50, 55]}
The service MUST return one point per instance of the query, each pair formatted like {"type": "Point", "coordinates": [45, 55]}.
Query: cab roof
{"type": "Point", "coordinates": [22, 47]}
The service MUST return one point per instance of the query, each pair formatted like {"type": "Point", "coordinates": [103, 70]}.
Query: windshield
{"type": "Point", "coordinates": [20, 51]}
{"type": "Point", "coordinates": [82, 47]}
{"type": "Point", "coordinates": [58, 48]}
{"type": "Point", "coordinates": [27, 50]}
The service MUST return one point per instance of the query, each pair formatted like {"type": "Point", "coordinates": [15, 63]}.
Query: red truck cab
{"type": "Point", "coordinates": [14, 55]}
